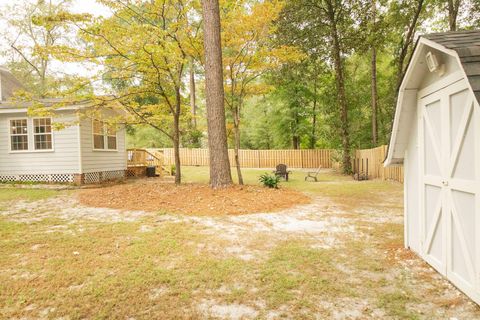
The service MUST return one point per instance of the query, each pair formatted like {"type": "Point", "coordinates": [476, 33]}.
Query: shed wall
{"type": "Point", "coordinates": [412, 192]}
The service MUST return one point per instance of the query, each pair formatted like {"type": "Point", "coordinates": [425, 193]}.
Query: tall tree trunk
{"type": "Point", "coordinates": [220, 174]}
{"type": "Point", "coordinates": [295, 137]}
{"type": "Point", "coordinates": [295, 142]}
{"type": "Point", "coordinates": [236, 131]}
{"type": "Point", "coordinates": [374, 98]}
{"type": "Point", "coordinates": [407, 41]}
{"type": "Point", "coordinates": [341, 95]}
{"type": "Point", "coordinates": [176, 137]}
{"type": "Point", "coordinates": [374, 78]}
{"type": "Point", "coordinates": [193, 103]}
{"type": "Point", "coordinates": [453, 7]}
{"type": "Point", "coordinates": [313, 137]}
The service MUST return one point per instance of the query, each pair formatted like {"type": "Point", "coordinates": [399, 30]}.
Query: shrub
{"type": "Point", "coordinates": [269, 180]}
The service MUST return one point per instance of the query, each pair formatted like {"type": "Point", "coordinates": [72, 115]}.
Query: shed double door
{"type": "Point", "coordinates": [449, 139]}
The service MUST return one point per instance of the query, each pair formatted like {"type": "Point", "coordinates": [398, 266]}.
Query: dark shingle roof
{"type": "Point", "coordinates": [467, 46]}
{"type": "Point", "coordinates": [9, 83]}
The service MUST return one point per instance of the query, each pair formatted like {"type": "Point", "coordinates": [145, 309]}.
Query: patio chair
{"type": "Point", "coordinates": [281, 171]}
{"type": "Point", "coordinates": [313, 174]}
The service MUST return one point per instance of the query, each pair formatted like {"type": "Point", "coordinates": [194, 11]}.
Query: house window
{"type": "Point", "coordinates": [42, 133]}
{"type": "Point", "coordinates": [19, 135]}
{"type": "Point", "coordinates": [111, 137]}
{"type": "Point", "coordinates": [98, 135]}
{"type": "Point", "coordinates": [104, 136]}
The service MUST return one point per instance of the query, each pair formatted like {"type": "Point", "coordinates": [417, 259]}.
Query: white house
{"type": "Point", "coordinates": [436, 135]}
{"type": "Point", "coordinates": [85, 150]}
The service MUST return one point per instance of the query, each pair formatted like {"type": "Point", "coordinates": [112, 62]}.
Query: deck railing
{"type": "Point", "coordinates": [144, 158]}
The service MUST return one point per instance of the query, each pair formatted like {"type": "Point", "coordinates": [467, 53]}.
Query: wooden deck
{"type": "Point", "coordinates": [139, 159]}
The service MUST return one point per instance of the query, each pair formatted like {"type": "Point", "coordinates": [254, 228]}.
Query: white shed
{"type": "Point", "coordinates": [436, 135]}
{"type": "Point", "coordinates": [84, 151]}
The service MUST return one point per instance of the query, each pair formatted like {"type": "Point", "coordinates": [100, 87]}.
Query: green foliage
{"type": "Point", "coordinates": [298, 109]}
{"type": "Point", "coordinates": [279, 72]}
{"type": "Point", "coordinates": [144, 136]}
{"type": "Point", "coordinates": [269, 180]}
{"type": "Point", "coordinates": [359, 96]}
{"type": "Point", "coordinates": [259, 130]}
{"type": "Point", "coordinates": [30, 34]}
{"type": "Point", "coordinates": [192, 138]}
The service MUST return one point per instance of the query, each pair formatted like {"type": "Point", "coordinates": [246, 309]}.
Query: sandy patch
{"type": "Point", "coordinates": [209, 308]}
{"type": "Point", "coordinates": [316, 221]}
{"type": "Point", "coordinates": [65, 207]}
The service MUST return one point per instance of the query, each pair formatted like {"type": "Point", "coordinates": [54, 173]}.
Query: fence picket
{"type": "Point", "coordinates": [305, 158]}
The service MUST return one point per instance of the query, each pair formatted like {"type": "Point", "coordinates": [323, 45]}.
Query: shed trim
{"type": "Point", "coordinates": [397, 145]}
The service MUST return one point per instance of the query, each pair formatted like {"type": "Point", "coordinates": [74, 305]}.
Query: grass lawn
{"type": "Point", "coordinates": [329, 183]}
{"type": "Point", "coordinates": [340, 257]}
{"type": "Point", "coordinates": [8, 194]}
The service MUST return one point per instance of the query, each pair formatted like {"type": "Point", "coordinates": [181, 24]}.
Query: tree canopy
{"type": "Point", "coordinates": [296, 74]}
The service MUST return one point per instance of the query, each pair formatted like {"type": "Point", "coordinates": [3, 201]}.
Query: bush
{"type": "Point", "coordinates": [269, 180]}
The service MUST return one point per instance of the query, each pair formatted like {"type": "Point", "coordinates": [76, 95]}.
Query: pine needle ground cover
{"type": "Point", "coordinates": [193, 199]}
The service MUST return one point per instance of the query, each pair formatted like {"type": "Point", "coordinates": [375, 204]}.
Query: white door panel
{"type": "Point", "coordinates": [449, 164]}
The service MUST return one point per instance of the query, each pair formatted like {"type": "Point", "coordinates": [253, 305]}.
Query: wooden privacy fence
{"type": "Point", "coordinates": [302, 158]}
{"type": "Point", "coordinates": [372, 160]}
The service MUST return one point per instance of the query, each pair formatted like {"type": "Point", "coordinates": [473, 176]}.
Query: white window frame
{"type": "Point", "coordinates": [30, 134]}
{"type": "Point", "coordinates": [110, 136]}
{"type": "Point", "coordinates": [9, 122]}
{"type": "Point", "coordinates": [105, 137]}
{"type": "Point", "coordinates": [40, 134]}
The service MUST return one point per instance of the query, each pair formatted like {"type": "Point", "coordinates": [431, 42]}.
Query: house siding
{"type": "Point", "coordinates": [64, 159]}
{"type": "Point", "coordinates": [97, 161]}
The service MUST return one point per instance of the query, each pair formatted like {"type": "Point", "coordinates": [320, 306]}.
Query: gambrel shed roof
{"type": "Point", "coordinates": [467, 46]}
{"type": "Point", "coordinates": [460, 47]}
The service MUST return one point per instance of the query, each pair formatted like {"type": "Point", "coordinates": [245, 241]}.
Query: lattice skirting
{"type": "Point", "coordinates": [50, 178]}
{"type": "Point", "coordinates": [138, 171]}
{"type": "Point", "coordinates": [96, 177]}
{"type": "Point", "coordinates": [86, 178]}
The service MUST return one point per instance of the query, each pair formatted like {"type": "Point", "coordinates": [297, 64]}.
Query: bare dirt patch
{"type": "Point", "coordinates": [191, 199]}
{"type": "Point", "coordinates": [64, 207]}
